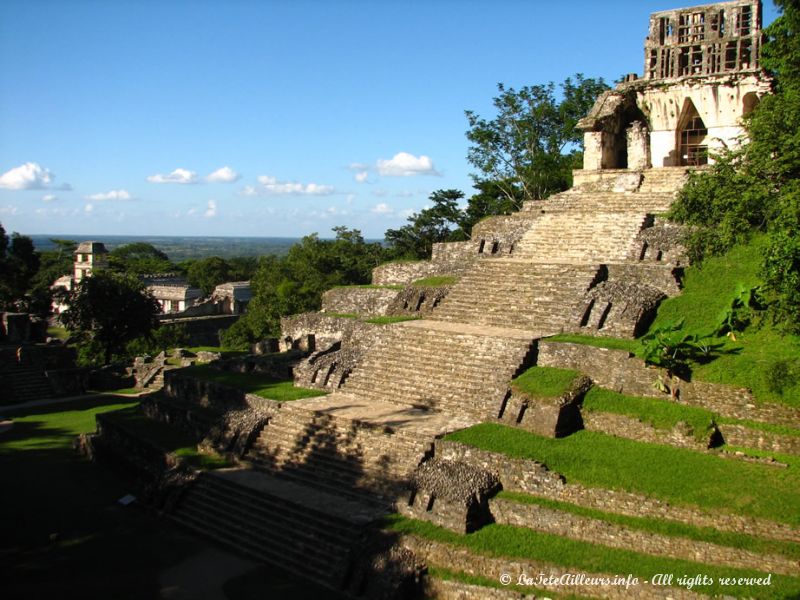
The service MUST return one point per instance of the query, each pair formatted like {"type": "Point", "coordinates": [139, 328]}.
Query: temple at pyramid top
{"type": "Point", "coordinates": [704, 40]}
{"type": "Point", "coordinates": [702, 76]}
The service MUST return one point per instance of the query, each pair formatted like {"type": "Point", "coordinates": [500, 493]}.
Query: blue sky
{"type": "Point", "coordinates": [270, 118]}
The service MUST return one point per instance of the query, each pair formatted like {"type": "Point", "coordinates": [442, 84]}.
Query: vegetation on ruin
{"type": "Point", "coordinates": [632, 346]}
{"type": "Point", "coordinates": [755, 189]}
{"type": "Point", "coordinates": [526, 544]}
{"type": "Point", "coordinates": [435, 281]}
{"type": "Point", "coordinates": [528, 150]}
{"type": "Point", "coordinates": [667, 527]}
{"type": "Point", "coordinates": [390, 319]}
{"type": "Point", "coordinates": [661, 414]}
{"type": "Point", "coordinates": [754, 353]}
{"type": "Point", "coordinates": [253, 383]}
{"type": "Point", "coordinates": [545, 382]}
{"type": "Point", "coordinates": [673, 474]}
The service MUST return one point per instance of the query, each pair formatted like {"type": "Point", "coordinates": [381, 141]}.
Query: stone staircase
{"type": "Point", "coordinates": [568, 236]}
{"type": "Point", "coordinates": [442, 367]}
{"type": "Point", "coordinates": [25, 382]}
{"type": "Point", "coordinates": [362, 458]}
{"type": "Point", "coordinates": [301, 530]}
{"type": "Point", "coordinates": [541, 298]}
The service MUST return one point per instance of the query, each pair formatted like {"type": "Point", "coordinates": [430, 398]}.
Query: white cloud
{"type": "Point", "coordinates": [407, 212]}
{"type": "Point", "coordinates": [88, 208]}
{"type": "Point", "coordinates": [9, 210]}
{"type": "Point", "coordinates": [223, 175]}
{"type": "Point", "coordinates": [112, 195]}
{"type": "Point", "coordinates": [382, 209]}
{"type": "Point", "coordinates": [49, 198]}
{"type": "Point", "coordinates": [189, 212]}
{"type": "Point", "coordinates": [404, 164]}
{"type": "Point", "coordinates": [30, 176]}
{"type": "Point", "coordinates": [177, 176]}
{"type": "Point", "coordinates": [270, 186]}
{"type": "Point", "coordinates": [361, 176]}
{"type": "Point", "coordinates": [211, 211]}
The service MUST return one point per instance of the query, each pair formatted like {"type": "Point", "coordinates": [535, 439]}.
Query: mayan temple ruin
{"type": "Point", "coordinates": [314, 479]}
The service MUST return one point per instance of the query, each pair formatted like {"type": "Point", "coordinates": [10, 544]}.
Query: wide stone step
{"type": "Point", "coordinates": [325, 524]}
{"type": "Point", "coordinates": [295, 563]}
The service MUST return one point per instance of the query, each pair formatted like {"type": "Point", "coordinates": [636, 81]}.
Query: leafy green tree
{"type": "Point", "coordinates": [19, 264]}
{"type": "Point", "coordinates": [756, 188]}
{"type": "Point", "coordinates": [109, 310]}
{"type": "Point", "coordinates": [208, 273]}
{"type": "Point", "coordinates": [140, 258]}
{"type": "Point", "coordinates": [531, 146]}
{"type": "Point", "coordinates": [444, 221]}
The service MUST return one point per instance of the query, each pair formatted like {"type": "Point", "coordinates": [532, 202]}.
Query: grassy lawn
{"type": "Point", "coordinates": [521, 543]}
{"type": "Point", "coordinates": [661, 414]}
{"type": "Point", "coordinates": [253, 383]}
{"type": "Point", "coordinates": [665, 527]}
{"type": "Point", "coordinates": [545, 382]}
{"type": "Point", "coordinates": [673, 474]}
{"type": "Point", "coordinates": [707, 294]}
{"type": "Point", "coordinates": [435, 281]}
{"type": "Point", "coordinates": [632, 346]}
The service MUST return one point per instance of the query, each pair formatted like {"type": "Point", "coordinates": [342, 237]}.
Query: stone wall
{"type": "Point", "coordinates": [520, 474]}
{"type": "Point", "coordinates": [497, 235]}
{"type": "Point", "coordinates": [454, 252]}
{"type": "Point", "coordinates": [551, 417]}
{"type": "Point", "coordinates": [666, 278]}
{"type": "Point", "coordinates": [318, 331]}
{"type": "Point", "coordinates": [532, 477]}
{"type": "Point", "coordinates": [446, 589]}
{"type": "Point", "coordinates": [202, 331]}
{"type": "Point", "coordinates": [417, 300]}
{"type": "Point", "coordinates": [737, 435]}
{"type": "Point", "coordinates": [596, 531]}
{"type": "Point", "coordinates": [620, 371]}
{"type": "Point", "coordinates": [365, 302]}
{"type": "Point", "coordinates": [209, 394]}
{"type": "Point", "coordinates": [462, 559]}
{"type": "Point", "coordinates": [403, 273]}
{"type": "Point", "coordinates": [623, 426]}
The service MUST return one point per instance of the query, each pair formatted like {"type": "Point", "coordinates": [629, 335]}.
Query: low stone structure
{"type": "Point", "coordinates": [452, 494]}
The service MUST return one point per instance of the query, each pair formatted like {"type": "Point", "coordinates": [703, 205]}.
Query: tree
{"type": "Point", "coordinates": [140, 258]}
{"type": "Point", "coordinates": [19, 264]}
{"type": "Point", "coordinates": [530, 148]}
{"type": "Point", "coordinates": [443, 222]}
{"type": "Point", "coordinates": [208, 273]}
{"type": "Point", "coordinates": [110, 310]}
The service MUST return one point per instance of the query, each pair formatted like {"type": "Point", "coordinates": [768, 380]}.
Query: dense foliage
{"type": "Point", "coordinates": [531, 146]}
{"type": "Point", "coordinates": [755, 187]}
{"type": "Point", "coordinates": [18, 266]}
{"type": "Point", "coordinates": [294, 283]}
{"type": "Point", "coordinates": [108, 310]}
